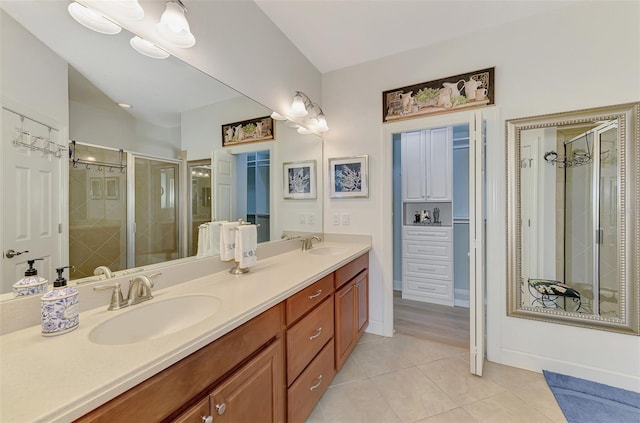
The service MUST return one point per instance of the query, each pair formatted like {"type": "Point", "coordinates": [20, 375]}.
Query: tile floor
{"type": "Point", "coordinates": [406, 379]}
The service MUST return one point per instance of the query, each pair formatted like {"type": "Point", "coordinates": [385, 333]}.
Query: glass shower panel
{"type": "Point", "coordinates": [97, 211]}
{"type": "Point", "coordinates": [608, 222]}
{"type": "Point", "coordinates": [156, 215]}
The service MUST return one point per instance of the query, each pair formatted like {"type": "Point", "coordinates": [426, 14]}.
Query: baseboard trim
{"type": "Point", "coordinates": [376, 328]}
{"type": "Point", "coordinates": [397, 285]}
{"type": "Point", "coordinates": [537, 363]}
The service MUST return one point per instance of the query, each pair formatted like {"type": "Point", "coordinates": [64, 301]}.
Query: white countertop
{"type": "Point", "coordinates": [61, 378]}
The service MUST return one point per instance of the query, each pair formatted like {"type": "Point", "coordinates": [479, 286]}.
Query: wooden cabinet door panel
{"type": "Point", "coordinates": [308, 388]}
{"type": "Point", "coordinates": [362, 286]}
{"type": "Point", "coordinates": [198, 413]}
{"type": "Point", "coordinates": [349, 270]}
{"type": "Point", "coordinates": [345, 332]}
{"type": "Point", "coordinates": [255, 393]}
{"type": "Point", "coordinates": [307, 337]}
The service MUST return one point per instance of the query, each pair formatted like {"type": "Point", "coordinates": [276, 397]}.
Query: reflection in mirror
{"type": "Point", "coordinates": [573, 192]}
{"type": "Point", "coordinates": [168, 125]}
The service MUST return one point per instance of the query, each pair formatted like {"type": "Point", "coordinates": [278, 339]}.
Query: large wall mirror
{"type": "Point", "coordinates": [147, 167]}
{"type": "Point", "coordinates": [573, 189]}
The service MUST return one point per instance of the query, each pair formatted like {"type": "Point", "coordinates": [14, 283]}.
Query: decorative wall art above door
{"type": "Point", "coordinates": [465, 91]}
{"type": "Point", "coordinates": [252, 130]}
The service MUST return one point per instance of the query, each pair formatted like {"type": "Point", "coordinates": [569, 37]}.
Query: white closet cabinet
{"type": "Point", "coordinates": [427, 165]}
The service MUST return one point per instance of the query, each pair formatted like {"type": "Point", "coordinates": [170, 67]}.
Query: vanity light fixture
{"type": "Point", "coordinates": [119, 9]}
{"type": "Point", "coordinates": [125, 105]}
{"type": "Point", "coordinates": [304, 131]}
{"type": "Point", "coordinates": [147, 48]}
{"type": "Point", "coordinates": [299, 105]}
{"type": "Point", "coordinates": [174, 27]}
{"type": "Point", "coordinates": [277, 116]}
{"type": "Point", "coordinates": [92, 19]}
{"type": "Point", "coordinates": [302, 106]}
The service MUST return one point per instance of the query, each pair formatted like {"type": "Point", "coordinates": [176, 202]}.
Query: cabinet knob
{"type": "Point", "coordinates": [317, 384]}
{"type": "Point", "coordinates": [207, 419]}
{"type": "Point", "coordinates": [221, 408]}
{"type": "Point", "coordinates": [315, 335]}
{"type": "Point", "coordinates": [316, 295]}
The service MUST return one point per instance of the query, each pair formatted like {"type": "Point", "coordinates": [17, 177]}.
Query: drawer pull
{"type": "Point", "coordinates": [221, 408]}
{"type": "Point", "coordinates": [316, 295]}
{"type": "Point", "coordinates": [315, 335]}
{"type": "Point", "coordinates": [207, 419]}
{"type": "Point", "coordinates": [317, 384]}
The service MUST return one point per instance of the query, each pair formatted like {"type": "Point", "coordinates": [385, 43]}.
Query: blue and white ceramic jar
{"type": "Point", "coordinates": [60, 307]}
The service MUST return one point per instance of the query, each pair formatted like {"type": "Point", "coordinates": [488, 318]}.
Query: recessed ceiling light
{"type": "Point", "coordinates": [147, 48]}
{"type": "Point", "coordinates": [92, 19]}
{"type": "Point", "coordinates": [125, 105]}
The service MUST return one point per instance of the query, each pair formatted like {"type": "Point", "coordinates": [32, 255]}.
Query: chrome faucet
{"type": "Point", "coordinates": [307, 243]}
{"type": "Point", "coordinates": [103, 270]}
{"type": "Point", "coordinates": [139, 291]}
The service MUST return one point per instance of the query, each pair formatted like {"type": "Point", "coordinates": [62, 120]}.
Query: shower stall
{"type": "Point", "coordinates": [123, 209]}
{"type": "Point", "coordinates": [590, 220]}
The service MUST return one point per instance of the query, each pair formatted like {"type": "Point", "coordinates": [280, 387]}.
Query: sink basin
{"type": "Point", "coordinates": [155, 319]}
{"type": "Point", "coordinates": [327, 251]}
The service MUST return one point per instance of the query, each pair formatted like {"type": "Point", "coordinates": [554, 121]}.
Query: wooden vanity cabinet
{"type": "Point", "coordinates": [253, 348]}
{"type": "Point", "coordinates": [351, 306]}
{"type": "Point", "coordinates": [310, 351]}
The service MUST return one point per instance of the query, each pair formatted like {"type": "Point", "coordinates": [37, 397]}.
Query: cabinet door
{"type": "Point", "coordinates": [345, 330]}
{"type": "Point", "coordinates": [255, 393]}
{"type": "Point", "coordinates": [198, 413]}
{"type": "Point", "coordinates": [362, 290]}
{"type": "Point", "coordinates": [439, 167]}
{"type": "Point", "coordinates": [413, 164]}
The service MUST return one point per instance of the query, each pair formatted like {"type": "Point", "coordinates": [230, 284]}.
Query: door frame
{"type": "Point", "coordinates": [490, 117]}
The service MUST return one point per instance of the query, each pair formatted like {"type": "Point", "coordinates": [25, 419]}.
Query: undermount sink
{"type": "Point", "coordinates": [155, 319]}
{"type": "Point", "coordinates": [327, 251]}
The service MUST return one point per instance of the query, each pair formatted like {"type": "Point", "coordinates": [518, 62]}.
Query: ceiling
{"type": "Point", "coordinates": [335, 34]}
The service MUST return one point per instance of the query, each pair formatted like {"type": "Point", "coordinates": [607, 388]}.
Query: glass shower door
{"type": "Point", "coordinates": [156, 211]}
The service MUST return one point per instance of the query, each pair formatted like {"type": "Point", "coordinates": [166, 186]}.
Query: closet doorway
{"type": "Point", "coordinates": [431, 234]}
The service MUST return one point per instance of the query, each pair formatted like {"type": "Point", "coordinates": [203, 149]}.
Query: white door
{"type": "Point", "coordinates": [439, 168]}
{"type": "Point", "coordinates": [30, 199]}
{"type": "Point", "coordinates": [224, 189]}
{"type": "Point", "coordinates": [476, 246]}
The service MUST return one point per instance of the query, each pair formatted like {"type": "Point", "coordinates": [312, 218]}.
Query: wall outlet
{"type": "Point", "coordinates": [346, 219]}
{"type": "Point", "coordinates": [310, 219]}
{"type": "Point", "coordinates": [336, 219]}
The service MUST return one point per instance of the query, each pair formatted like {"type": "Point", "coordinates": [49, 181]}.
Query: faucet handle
{"type": "Point", "coordinates": [117, 299]}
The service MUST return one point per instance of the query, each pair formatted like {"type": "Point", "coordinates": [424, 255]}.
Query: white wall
{"type": "Point", "coordinates": [582, 56]}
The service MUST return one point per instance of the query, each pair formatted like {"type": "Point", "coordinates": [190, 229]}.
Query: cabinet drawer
{"type": "Point", "coordinates": [432, 233]}
{"type": "Point", "coordinates": [428, 269]}
{"type": "Point", "coordinates": [349, 270]}
{"type": "Point", "coordinates": [431, 287]}
{"type": "Point", "coordinates": [307, 390]}
{"type": "Point", "coordinates": [308, 298]}
{"type": "Point", "coordinates": [307, 337]}
{"type": "Point", "coordinates": [427, 250]}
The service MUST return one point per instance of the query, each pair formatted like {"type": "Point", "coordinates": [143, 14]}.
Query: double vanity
{"type": "Point", "coordinates": [263, 346]}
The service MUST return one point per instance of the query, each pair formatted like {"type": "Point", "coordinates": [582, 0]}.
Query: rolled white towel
{"type": "Point", "coordinates": [228, 240]}
{"type": "Point", "coordinates": [214, 237]}
{"type": "Point", "coordinates": [203, 232]}
{"type": "Point", "coordinates": [246, 245]}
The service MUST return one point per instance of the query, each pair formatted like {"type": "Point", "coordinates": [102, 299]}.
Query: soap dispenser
{"type": "Point", "coordinates": [60, 308]}
{"type": "Point", "coordinates": [31, 284]}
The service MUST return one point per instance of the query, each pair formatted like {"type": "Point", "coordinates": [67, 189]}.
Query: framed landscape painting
{"type": "Point", "coordinates": [349, 177]}
{"type": "Point", "coordinates": [300, 180]}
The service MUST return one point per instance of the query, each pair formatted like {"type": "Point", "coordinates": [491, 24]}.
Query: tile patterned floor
{"type": "Point", "coordinates": [406, 379]}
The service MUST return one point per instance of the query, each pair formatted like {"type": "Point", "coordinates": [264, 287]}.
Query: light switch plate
{"type": "Point", "coordinates": [310, 219]}
{"type": "Point", "coordinates": [336, 219]}
{"type": "Point", "coordinates": [303, 218]}
{"type": "Point", "coordinates": [346, 219]}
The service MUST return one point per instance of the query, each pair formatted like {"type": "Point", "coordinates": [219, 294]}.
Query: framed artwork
{"type": "Point", "coordinates": [300, 180]}
{"type": "Point", "coordinates": [246, 131]}
{"type": "Point", "coordinates": [465, 91]}
{"type": "Point", "coordinates": [95, 188]}
{"type": "Point", "coordinates": [349, 177]}
{"type": "Point", "coordinates": [111, 188]}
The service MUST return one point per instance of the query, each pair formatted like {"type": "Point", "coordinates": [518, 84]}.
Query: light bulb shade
{"type": "Point", "coordinates": [174, 27]}
{"type": "Point", "coordinates": [298, 109]}
{"type": "Point", "coordinates": [92, 19]}
{"type": "Point", "coordinates": [147, 48]}
{"type": "Point", "coordinates": [304, 131]}
{"type": "Point", "coordinates": [277, 116]}
{"type": "Point", "coordinates": [321, 125]}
